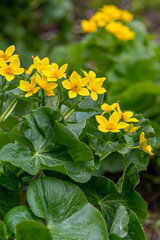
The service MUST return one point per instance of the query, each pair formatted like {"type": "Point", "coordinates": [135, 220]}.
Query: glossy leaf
{"type": "Point", "coordinates": [49, 145]}
{"type": "Point", "coordinates": [104, 194]}
{"type": "Point", "coordinates": [65, 210]}
{"type": "Point", "coordinates": [126, 226]}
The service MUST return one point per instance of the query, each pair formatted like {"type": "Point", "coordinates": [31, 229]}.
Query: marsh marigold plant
{"type": "Point", "coordinates": [68, 129]}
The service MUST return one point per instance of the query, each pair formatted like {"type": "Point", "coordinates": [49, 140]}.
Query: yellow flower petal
{"type": "Point", "coordinates": [83, 92]}
{"type": "Point", "coordinates": [67, 84]}
{"type": "Point", "coordinates": [75, 77]}
{"type": "Point", "coordinates": [23, 85]}
{"type": "Point", "coordinates": [36, 89]}
{"type": "Point", "coordinates": [10, 50]}
{"type": "Point", "coordinates": [122, 125]}
{"type": "Point", "coordinates": [15, 63]}
{"type": "Point", "coordinates": [94, 96]}
{"type": "Point", "coordinates": [72, 94]}
{"type": "Point", "coordinates": [18, 71]}
{"type": "Point", "coordinates": [9, 77]}
{"type": "Point", "coordinates": [28, 94]}
{"type": "Point", "coordinates": [101, 90]}
{"type": "Point", "coordinates": [63, 68]}
{"type": "Point", "coordinates": [101, 120]}
{"type": "Point", "coordinates": [102, 128]}
{"type": "Point", "coordinates": [114, 118]}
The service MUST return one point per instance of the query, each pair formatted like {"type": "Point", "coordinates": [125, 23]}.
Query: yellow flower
{"type": "Point", "coordinates": [88, 26]}
{"type": "Point", "coordinates": [30, 69]}
{"type": "Point", "coordinates": [9, 71]}
{"type": "Point", "coordinates": [7, 55]}
{"type": "Point", "coordinates": [143, 144]}
{"type": "Point", "coordinates": [76, 85]}
{"type": "Point", "coordinates": [121, 31]}
{"type": "Point", "coordinates": [47, 87]}
{"type": "Point", "coordinates": [111, 125]}
{"type": "Point", "coordinates": [41, 65]}
{"type": "Point", "coordinates": [94, 84]}
{"type": "Point", "coordinates": [54, 73]}
{"type": "Point", "coordinates": [112, 11]}
{"type": "Point", "coordinates": [30, 88]}
{"type": "Point", "coordinates": [100, 19]}
{"type": "Point", "coordinates": [131, 128]}
{"type": "Point", "coordinates": [108, 108]}
{"type": "Point", "coordinates": [126, 116]}
{"type": "Point", "coordinates": [126, 16]}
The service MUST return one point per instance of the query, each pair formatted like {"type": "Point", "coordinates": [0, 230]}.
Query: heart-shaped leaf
{"type": "Point", "coordinates": [65, 210]}
{"type": "Point", "coordinates": [52, 146]}
{"type": "Point", "coordinates": [103, 193]}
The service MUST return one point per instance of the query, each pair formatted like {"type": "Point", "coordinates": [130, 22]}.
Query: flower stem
{"type": "Point", "coordinates": [2, 96]}
{"type": "Point", "coordinates": [59, 87]}
{"type": "Point", "coordinates": [43, 98]}
{"type": "Point", "coordinates": [71, 109]}
{"type": "Point", "coordinates": [20, 172]}
{"type": "Point", "coordinates": [135, 147]}
{"type": "Point", "coordinates": [9, 110]}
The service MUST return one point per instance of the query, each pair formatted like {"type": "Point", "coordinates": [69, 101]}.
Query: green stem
{"type": "Point", "coordinates": [43, 98]}
{"type": "Point", "coordinates": [2, 96]}
{"type": "Point", "coordinates": [20, 172]}
{"type": "Point", "coordinates": [9, 110]}
{"type": "Point", "coordinates": [71, 109]}
{"type": "Point", "coordinates": [60, 93]}
{"type": "Point", "coordinates": [135, 147]}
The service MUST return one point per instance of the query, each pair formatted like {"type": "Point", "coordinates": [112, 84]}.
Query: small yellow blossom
{"type": "Point", "coordinates": [88, 26]}
{"type": "Point", "coordinates": [7, 55]}
{"type": "Point", "coordinates": [126, 116]}
{"type": "Point", "coordinates": [54, 73]}
{"type": "Point", "coordinates": [121, 31]}
{"type": "Point", "coordinates": [112, 12]}
{"type": "Point", "coordinates": [41, 65]}
{"type": "Point", "coordinates": [100, 19]}
{"type": "Point", "coordinates": [94, 84]}
{"type": "Point", "coordinates": [111, 125]}
{"type": "Point", "coordinates": [143, 144]}
{"type": "Point", "coordinates": [126, 16]}
{"type": "Point", "coordinates": [10, 70]}
{"type": "Point", "coordinates": [108, 108]}
{"type": "Point", "coordinates": [76, 85]}
{"type": "Point", "coordinates": [96, 88]}
{"type": "Point", "coordinates": [30, 88]}
{"type": "Point", "coordinates": [131, 128]}
{"type": "Point", "coordinates": [30, 69]}
{"type": "Point", "coordinates": [47, 87]}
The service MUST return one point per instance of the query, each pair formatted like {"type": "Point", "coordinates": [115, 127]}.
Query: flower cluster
{"type": "Point", "coordinates": [120, 120]}
{"type": "Point", "coordinates": [78, 85]}
{"type": "Point", "coordinates": [47, 74]}
{"type": "Point", "coordinates": [45, 77]}
{"type": "Point", "coordinates": [109, 17]}
{"type": "Point", "coordinates": [10, 64]}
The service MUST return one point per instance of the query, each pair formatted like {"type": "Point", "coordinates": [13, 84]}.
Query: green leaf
{"type": "Point", "coordinates": [47, 144]}
{"type": "Point", "coordinates": [64, 208]}
{"type": "Point", "coordinates": [77, 128]}
{"type": "Point", "coordinates": [126, 226]}
{"type": "Point", "coordinates": [3, 231]}
{"type": "Point", "coordinates": [79, 151]}
{"type": "Point", "coordinates": [26, 230]}
{"type": "Point", "coordinates": [104, 194]}
{"type": "Point", "coordinates": [16, 215]}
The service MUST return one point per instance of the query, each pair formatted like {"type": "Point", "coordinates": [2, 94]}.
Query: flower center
{"type": "Point", "coordinates": [76, 87]}
{"type": "Point", "coordinates": [111, 126]}
{"type": "Point", "coordinates": [4, 56]}
{"type": "Point", "coordinates": [8, 70]}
